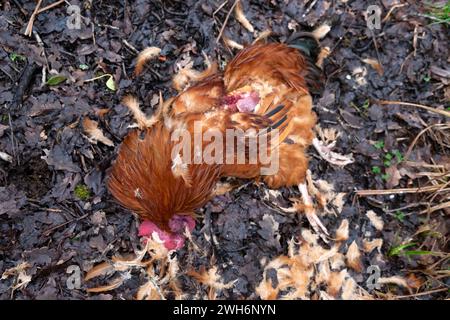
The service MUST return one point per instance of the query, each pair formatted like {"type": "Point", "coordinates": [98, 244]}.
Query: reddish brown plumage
{"type": "Point", "coordinates": [142, 178]}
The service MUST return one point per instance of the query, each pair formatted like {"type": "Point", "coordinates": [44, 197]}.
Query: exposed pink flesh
{"type": "Point", "coordinates": [248, 102]}
{"type": "Point", "coordinates": [172, 241]}
{"type": "Point", "coordinates": [242, 102]}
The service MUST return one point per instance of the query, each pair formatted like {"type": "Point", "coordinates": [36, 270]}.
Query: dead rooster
{"type": "Point", "coordinates": [265, 87]}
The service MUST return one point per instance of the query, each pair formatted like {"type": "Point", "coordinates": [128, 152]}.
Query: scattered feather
{"type": "Point", "coordinates": [348, 289]}
{"type": "Point", "coordinates": [94, 132]}
{"type": "Point", "coordinates": [321, 31]}
{"type": "Point", "coordinates": [240, 16]}
{"type": "Point", "coordinates": [353, 257]}
{"type": "Point", "coordinates": [117, 282]}
{"type": "Point", "coordinates": [266, 291]}
{"type": "Point", "coordinates": [323, 54]}
{"type": "Point", "coordinates": [337, 261]}
{"type": "Point", "coordinates": [146, 55]}
{"type": "Point", "coordinates": [187, 75]}
{"type": "Point", "coordinates": [99, 270]}
{"type": "Point", "coordinates": [210, 278]}
{"type": "Point", "coordinates": [141, 119]}
{"type": "Point", "coordinates": [5, 157]}
{"type": "Point", "coordinates": [262, 36]}
{"type": "Point", "coordinates": [342, 232]}
{"type": "Point", "coordinates": [148, 291]}
{"type": "Point", "coordinates": [339, 201]}
{"type": "Point", "coordinates": [370, 245]}
{"type": "Point", "coordinates": [331, 156]}
{"type": "Point", "coordinates": [376, 221]}
{"type": "Point", "coordinates": [232, 44]}
{"type": "Point", "coordinates": [397, 280]}
{"type": "Point", "coordinates": [335, 282]}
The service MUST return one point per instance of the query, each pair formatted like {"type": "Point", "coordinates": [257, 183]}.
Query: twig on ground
{"type": "Point", "coordinates": [38, 10]}
{"type": "Point", "coordinates": [29, 28]}
{"type": "Point", "coordinates": [130, 46]}
{"type": "Point", "coordinates": [46, 66]}
{"type": "Point", "coordinates": [392, 9]}
{"type": "Point", "coordinates": [220, 7]}
{"type": "Point", "coordinates": [401, 190]}
{"type": "Point", "coordinates": [54, 4]}
{"type": "Point", "coordinates": [434, 110]}
{"type": "Point", "coordinates": [226, 20]}
{"type": "Point", "coordinates": [309, 8]}
{"type": "Point", "coordinates": [19, 5]}
{"type": "Point", "coordinates": [421, 293]}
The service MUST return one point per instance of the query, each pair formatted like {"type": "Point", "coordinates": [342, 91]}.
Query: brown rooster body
{"type": "Point", "coordinates": [265, 87]}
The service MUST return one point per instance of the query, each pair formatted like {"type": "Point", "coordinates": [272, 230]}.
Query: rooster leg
{"type": "Point", "coordinates": [310, 213]}
{"type": "Point", "coordinates": [331, 156]}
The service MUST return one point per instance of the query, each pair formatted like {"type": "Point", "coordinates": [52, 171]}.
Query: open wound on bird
{"type": "Point", "coordinates": [243, 100]}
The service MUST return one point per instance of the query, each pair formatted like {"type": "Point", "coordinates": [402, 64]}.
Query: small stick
{"type": "Point", "coordinates": [422, 293]}
{"type": "Point", "coordinates": [309, 8]}
{"type": "Point", "coordinates": [130, 46]}
{"type": "Point", "coordinates": [220, 7]}
{"type": "Point", "coordinates": [54, 4]}
{"type": "Point", "coordinates": [46, 66]}
{"type": "Point", "coordinates": [29, 28]}
{"type": "Point", "coordinates": [391, 10]}
{"type": "Point", "coordinates": [226, 20]}
{"type": "Point", "coordinates": [410, 148]}
{"type": "Point", "coordinates": [441, 112]}
{"type": "Point", "coordinates": [400, 191]}
{"type": "Point", "coordinates": [24, 12]}
{"type": "Point", "coordinates": [375, 44]}
{"type": "Point", "coordinates": [38, 10]}
{"type": "Point", "coordinates": [437, 207]}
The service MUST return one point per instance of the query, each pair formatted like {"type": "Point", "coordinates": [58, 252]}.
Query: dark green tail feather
{"type": "Point", "coordinates": [310, 49]}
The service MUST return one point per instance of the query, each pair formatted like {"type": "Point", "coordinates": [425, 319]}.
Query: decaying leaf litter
{"type": "Point", "coordinates": [385, 103]}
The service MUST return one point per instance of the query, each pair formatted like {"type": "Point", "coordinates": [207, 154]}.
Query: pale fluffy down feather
{"type": "Point", "coordinates": [342, 231]}
{"type": "Point", "coordinates": [376, 221]}
{"type": "Point", "coordinates": [94, 132]}
{"type": "Point", "coordinates": [353, 257]}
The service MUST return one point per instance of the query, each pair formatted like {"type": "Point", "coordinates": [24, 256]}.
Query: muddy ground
{"type": "Point", "coordinates": [55, 211]}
